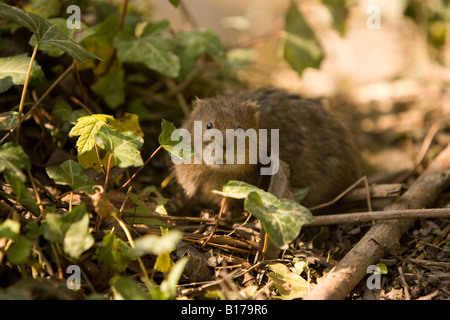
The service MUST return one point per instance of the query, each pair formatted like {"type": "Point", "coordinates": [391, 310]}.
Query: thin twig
{"type": "Point", "coordinates": [379, 215]}
{"type": "Point", "coordinates": [140, 169]}
{"type": "Point", "coordinates": [25, 87]}
{"type": "Point", "coordinates": [219, 217]}
{"type": "Point", "coordinates": [343, 193]}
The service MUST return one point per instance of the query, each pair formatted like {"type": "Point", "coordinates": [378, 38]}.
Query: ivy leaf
{"type": "Point", "coordinates": [19, 251]}
{"type": "Point", "coordinates": [8, 120]}
{"type": "Point", "coordinates": [111, 88]}
{"type": "Point", "coordinates": [152, 48]}
{"type": "Point", "coordinates": [13, 160]}
{"type": "Point", "coordinates": [289, 284]}
{"type": "Point", "coordinates": [23, 196]}
{"type": "Point", "coordinates": [282, 219]}
{"type": "Point", "coordinates": [13, 71]}
{"type": "Point", "coordinates": [9, 229]}
{"type": "Point", "coordinates": [175, 3]}
{"type": "Point", "coordinates": [301, 47]}
{"type": "Point", "coordinates": [110, 252]}
{"type": "Point", "coordinates": [123, 145]}
{"type": "Point", "coordinates": [240, 190]}
{"type": "Point", "coordinates": [45, 32]}
{"type": "Point", "coordinates": [195, 43]}
{"type": "Point", "coordinates": [71, 174]}
{"type": "Point", "coordinates": [339, 10]}
{"type": "Point", "coordinates": [176, 148]}
{"type": "Point", "coordinates": [168, 287]}
{"type": "Point", "coordinates": [78, 239]}
{"type": "Point", "coordinates": [56, 225]}
{"type": "Point", "coordinates": [125, 288]}
{"type": "Point", "coordinates": [157, 245]}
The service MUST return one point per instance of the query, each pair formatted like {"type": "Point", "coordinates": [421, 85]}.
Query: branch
{"type": "Point", "coordinates": [384, 235]}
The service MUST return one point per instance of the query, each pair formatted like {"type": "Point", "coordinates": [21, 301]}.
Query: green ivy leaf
{"type": "Point", "coordinates": [125, 288]}
{"type": "Point", "coordinates": [152, 48]}
{"type": "Point", "coordinates": [157, 245]}
{"type": "Point", "coordinates": [111, 88]}
{"type": "Point", "coordinates": [13, 71]}
{"type": "Point", "coordinates": [45, 32]}
{"type": "Point", "coordinates": [56, 225]}
{"type": "Point", "coordinates": [168, 287]}
{"type": "Point", "coordinates": [19, 251]}
{"type": "Point", "coordinates": [64, 111]}
{"type": "Point", "coordinates": [183, 151]}
{"type": "Point", "coordinates": [123, 145]}
{"type": "Point", "coordinates": [301, 48]}
{"type": "Point", "coordinates": [114, 252]}
{"type": "Point", "coordinates": [282, 219]}
{"type": "Point", "coordinates": [71, 174]}
{"type": "Point", "coordinates": [8, 120]}
{"type": "Point", "coordinates": [195, 43]}
{"type": "Point", "coordinates": [9, 229]}
{"type": "Point", "coordinates": [13, 160]}
{"type": "Point", "coordinates": [78, 239]}
{"type": "Point", "coordinates": [23, 196]}
{"type": "Point", "coordinates": [175, 3]}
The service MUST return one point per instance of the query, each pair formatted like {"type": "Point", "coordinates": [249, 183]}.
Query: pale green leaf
{"type": "Point", "coordinates": [157, 245]}
{"type": "Point", "coordinates": [125, 288]}
{"type": "Point", "coordinates": [9, 229]}
{"type": "Point", "coordinates": [289, 284]}
{"type": "Point", "coordinates": [56, 225]}
{"type": "Point", "coordinates": [13, 71]}
{"type": "Point", "coordinates": [78, 239]}
{"type": "Point", "coordinates": [87, 127]}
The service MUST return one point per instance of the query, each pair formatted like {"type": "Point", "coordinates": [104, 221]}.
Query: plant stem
{"type": "Point", "coordinates": [130, 240]}
{"type": "Point", "coordinates": [140, 169]}
{"type": "Point", "coordinates": [25, 87]}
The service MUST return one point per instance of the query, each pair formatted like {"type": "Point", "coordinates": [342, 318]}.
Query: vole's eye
{"type": "Point", "coordinates": [209, 125]}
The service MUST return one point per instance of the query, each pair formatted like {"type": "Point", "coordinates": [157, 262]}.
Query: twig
{"type": "Point", "coordinates": [140, 169]}
{"type": "Point", "coordinates": [130, 240]}
{"type": "Point", "coordinates": [54, 84]}
{"type": "Point", "coordinates": [384, 235]}
{"type": "Point", "coordinates": [222, 208]}
{"type": "Point", "coordinates": [445, 265]}
{"type": "Point", "coordinates": [180, 98]}
{"type": "Point", "coordinates": [379, 215]}
{"type": "Point", "coordinates": [24, 90]}
{"type": "Point", "coordinates": [346, 191]}
{"type": "Point", "coordinates": [404, 284]}
{"type": "Point", "coordinates": [81, 104]}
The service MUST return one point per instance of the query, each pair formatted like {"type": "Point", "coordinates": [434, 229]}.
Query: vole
{"type": "Point", "coordinates": [318, 149]}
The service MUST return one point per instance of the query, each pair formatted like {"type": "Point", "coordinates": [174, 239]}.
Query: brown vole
{"type": "Point", "coordinates": [318, 149]}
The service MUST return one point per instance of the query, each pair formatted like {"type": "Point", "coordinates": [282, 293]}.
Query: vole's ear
{"type": "Point", "coordinates": [255, 107]}
{"type": "Point", "coordinates": [195, 102]}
